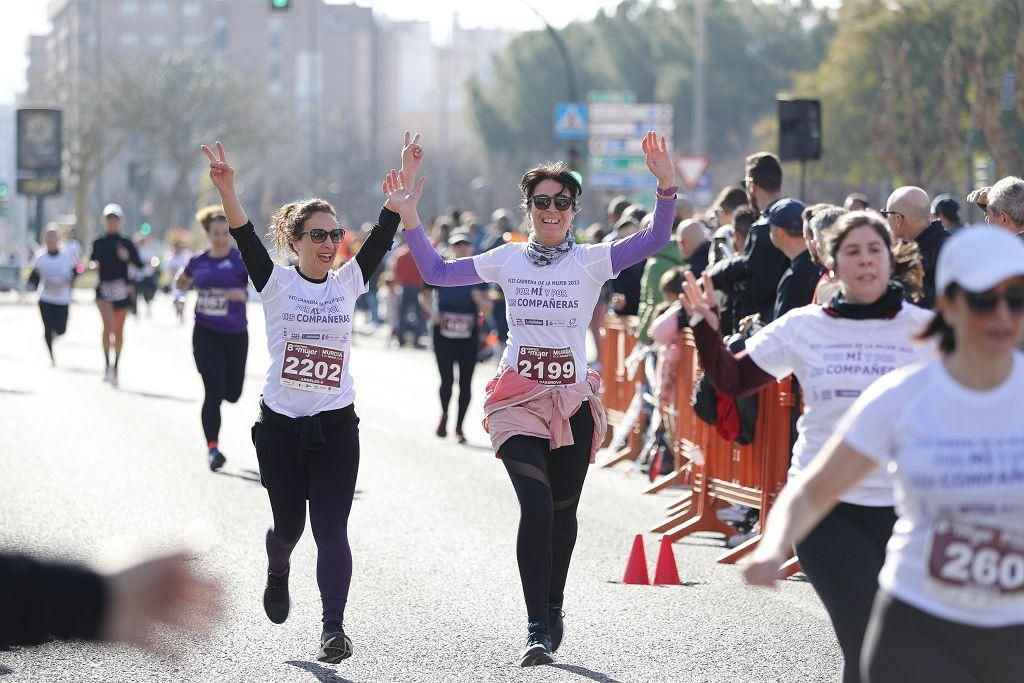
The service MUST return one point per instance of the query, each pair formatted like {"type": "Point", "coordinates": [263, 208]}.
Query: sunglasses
{"type": "Point", "coordinates": [985, 303]}
{"type": "Point", "coordinates": [892, 213]}
{"type": "Point", "coordinates": [319, 236]}
{"type": "Point", "coordinates": [543, 201]}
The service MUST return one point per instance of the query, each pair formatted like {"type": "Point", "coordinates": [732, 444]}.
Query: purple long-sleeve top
{"type": "Point", "coordinates": [625, 252]}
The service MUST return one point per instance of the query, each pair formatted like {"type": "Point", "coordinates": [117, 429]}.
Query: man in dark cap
{"type": "Point", "coordinates": [786, 227]}
{"type": "Point", "coordinates": [946, 210]}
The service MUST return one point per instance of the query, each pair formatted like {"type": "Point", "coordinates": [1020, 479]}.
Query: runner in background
{"type": "Point", "coordinates": [949, 608]}
{"type": "Point", "coordinates": [111, 255]}
{"type": "Point", "coordinates": [144, 279]}
{"type": "Point", "coordinates": [54, 272]}
{"type": "Point", "coordinates": [220, 338]}
{"type": "Point", "coordinates": [454, 313]}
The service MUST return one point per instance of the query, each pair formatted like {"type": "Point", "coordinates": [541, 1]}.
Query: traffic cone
{"type": "Point", "coordinates": [666, 573]}
{"type": "Point", "coordinates": [636, 565]}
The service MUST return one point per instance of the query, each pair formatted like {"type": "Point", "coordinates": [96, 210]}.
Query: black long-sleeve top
{"type": "Point", "coordinates": [39, 600]}
{"type": "Point", "coordinates": [259, 264]}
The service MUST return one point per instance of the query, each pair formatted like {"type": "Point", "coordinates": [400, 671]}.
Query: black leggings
{"type": "Point", "coordinates": [451, 351]}
{"type": "Point", "coordinates": [842, 557]}
{"type": "Point", "coordinates": [220, 359]}
{"type": "Point", "coordinates": [327, 479]}
{"type": "Point", "coordinates": [905, 645]}
{"type": "Point", "coordinates": [548, 484]}
{"type": "Point", "coordinates": [55, 322]}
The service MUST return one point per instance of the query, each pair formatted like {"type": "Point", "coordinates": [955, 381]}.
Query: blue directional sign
{"type": "Point", "coordinates": [570, 121]}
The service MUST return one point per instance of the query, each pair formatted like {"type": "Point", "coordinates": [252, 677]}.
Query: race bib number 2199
{"type": "Point", "coordinates": [546, 366]}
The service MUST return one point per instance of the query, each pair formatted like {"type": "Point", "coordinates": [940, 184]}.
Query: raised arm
{"type": "Point", "coordinates": [732, 375]}
{"type": "Point", "coordinates": [435, 270]}
{"type": "Point", "coordinates": [255, 256]}
{"type": "Point", "coordinates": [640, 245]}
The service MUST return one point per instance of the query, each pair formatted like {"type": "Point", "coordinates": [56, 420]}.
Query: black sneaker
{"type": "Point", "coordinates": [556, 625]}
{"type": "Point", "coordinates": [538, 645]}
{"type": "Point", "coordinates": [216, 459]}
{"type": "Point", "coordinates": [275, 598]}
{"type": "Point", "coordinates": [334, 644]}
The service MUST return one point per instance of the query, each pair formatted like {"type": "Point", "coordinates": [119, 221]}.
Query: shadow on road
{"type": "Point", "coordinates": [79, 371]}
{"type": "Point", "coordinates": [160, 397]}
{"type": "Point", "coordinates": [17, 392]}
{"type": "Point", "coordinates": [320, 672]}
{"type": "Point", "coordinates": [247, 475]}
{"type": "Point", "coordinates": [586, 673]}
{"type": "Point", "coordinates": [4, 671]}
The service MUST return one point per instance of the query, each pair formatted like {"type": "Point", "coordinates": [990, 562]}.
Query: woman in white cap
{"type": "Point", "coordinates": [454, 314]}
{"type": "Point", "coordinates": [835, 351]}
{"type": "Point", "coordinates": [111, 255]}
{"type": "Point", "coordinates": [951, 600]}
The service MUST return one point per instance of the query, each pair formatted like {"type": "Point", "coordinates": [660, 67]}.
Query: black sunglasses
{"type": "Point", "coordinates": [320, 236]}
{"type": "Point", "coordinates": [985, 303]}
{"type": "Point", "coordinates": [543, 201]}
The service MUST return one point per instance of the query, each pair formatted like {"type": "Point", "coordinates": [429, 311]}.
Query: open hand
{"type": "Point", "coordinates": [412, 158]}
{"type": "Point", "coordinates": [699, 299]}
{"type": "Point", "coordinates": [403, 198]}
{"type": "Point", "coordinates": [659, 160]}
{"type": "Point", "coordinates": [221, 174]}
{"type": "Point", "coordinates": [762, 571]}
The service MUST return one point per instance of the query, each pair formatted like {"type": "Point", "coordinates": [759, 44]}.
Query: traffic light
{"type": "Point", "coordinates": [280, 5]}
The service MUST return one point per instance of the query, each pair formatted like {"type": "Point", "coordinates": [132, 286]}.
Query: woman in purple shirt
{"type": "Point", "coordinates": [551, 285]}
{"type": "Point", "coordinates": [220, 339]}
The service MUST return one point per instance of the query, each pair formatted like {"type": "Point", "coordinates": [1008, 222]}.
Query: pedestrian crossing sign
{"type": "Point", "coordinates": [570, 121]}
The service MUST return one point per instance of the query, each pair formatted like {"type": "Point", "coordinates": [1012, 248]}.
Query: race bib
{"type": "Point", "coordinates": [457, 325]}
{"type": "Point", "coordinates": [54, 289]}
{"type": "Point", "coordinates": [982, 564]}
{"type": "Point", "coordinates": [212, 302]}
{"type": "Point", "coordinates": [547, 366]}
{"type": "Point", "coordinates": [312, 368]}
{"type": "Point", "coordinates": [114, 290]}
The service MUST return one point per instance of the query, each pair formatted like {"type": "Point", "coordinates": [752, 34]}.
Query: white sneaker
{"type": "Point", "coordinates": [107, 375]}
{"type": "Point", "coordinates": [113, 378]}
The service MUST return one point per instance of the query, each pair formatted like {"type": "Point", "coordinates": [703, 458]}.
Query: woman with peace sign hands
{"type": "Point", "coordinates": [307, 435]}
{"type": "Point", "coordinates": [543, 409]}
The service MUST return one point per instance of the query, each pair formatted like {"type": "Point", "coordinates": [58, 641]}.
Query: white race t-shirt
{"type": "Point", "coordinates": [956, 457]}
{"type": "Point", "coordinates": [309, 330]}
{"type": "Point", "coordinates": [548, 308]}
{"type": "Point", "coordinates": [834, 359]}
{"type": "Point", "coordinates": [55, 276]}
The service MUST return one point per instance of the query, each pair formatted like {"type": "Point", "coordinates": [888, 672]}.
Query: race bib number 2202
{"type": "Point", "coordinates": [312, 368]}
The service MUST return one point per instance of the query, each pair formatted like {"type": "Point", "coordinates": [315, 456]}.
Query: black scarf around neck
{"type": "Point", "coordinates": [887, 306]}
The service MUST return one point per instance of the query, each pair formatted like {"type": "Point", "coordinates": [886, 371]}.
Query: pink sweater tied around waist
{"type": "Point", "coordinates": [518, 406]}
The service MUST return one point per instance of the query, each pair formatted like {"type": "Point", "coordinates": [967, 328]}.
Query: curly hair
{"type": "Point", "coordinates": [908, 269]}
{"type": "Point", "coordinates": [286, 223]}
{"type": "Point", "coordinates": [209, 214]}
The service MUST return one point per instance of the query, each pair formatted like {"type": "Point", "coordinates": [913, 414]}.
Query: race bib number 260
{"type": "Point", "coordinates": [546, 366]}
{"type": "Point", "coordinates": [312, 368]}
{"type": "Point", "coordinates": [978, 560]}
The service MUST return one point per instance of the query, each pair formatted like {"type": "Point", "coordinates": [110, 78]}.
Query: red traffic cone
{"type": "Point", "coordinates": [636, 565]}
{"type": "Point", "coordinates": [666, 573]}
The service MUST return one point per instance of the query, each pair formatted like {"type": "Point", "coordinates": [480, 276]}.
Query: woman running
{"type": "Point", "coordinates": [543, 410]}
{"type": "Point", "coordinates": [220, 338]}
{"type": "Point", "coordinates": [53, 271]}
{"type": "Point", "coordinates": [835, 351]}
{"type": "Point", "coordinates": [306, 436]}
{"type": "Point", "coordinates": [111, 255]}
{"type": "Point", "coordinates": [454, 313]}
{"type": "Point", "coordinates": [950, 608]}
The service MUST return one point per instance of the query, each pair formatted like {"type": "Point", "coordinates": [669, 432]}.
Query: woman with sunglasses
{"type": "Point", "coordinates": [543, 409]}
{"type": "Point", "coordinates": [835, 351]}
{"type": "Point", "coordinates": [307, 436]}
{"type": "Point", "coordinates": [951, 600]}
{"type": "Point", "coordinates": [220, 338]}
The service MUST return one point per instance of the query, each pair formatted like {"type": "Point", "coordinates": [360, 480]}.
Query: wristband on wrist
{"type": "Point", "coordinates": [668, 192]}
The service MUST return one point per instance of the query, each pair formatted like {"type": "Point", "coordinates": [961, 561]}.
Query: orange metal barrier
{"type": "Point", "coordinates": [720, 472]}
{"type": "Point", "coordinates": [618, 389]}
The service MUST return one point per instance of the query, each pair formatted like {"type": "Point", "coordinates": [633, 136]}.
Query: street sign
{"type": "Point", "coordinates": [653, 113]}
{"type": "Point", "coordinates": [570, 121]}
{"type": "Point", "coordinates": [40, 187]}
{"type": "Point", "coordinates": [611, 96]}
{"type": "Point", "coordinates": [691, 168]}
{"type": "Point", "coordinates": [39, 139]}
{"type": "Point", "coordinates": [625, 146]}
{"type": "Point", "coordinates": [621, 181]}
{"type": "Point", "coordinates": [618, 163]}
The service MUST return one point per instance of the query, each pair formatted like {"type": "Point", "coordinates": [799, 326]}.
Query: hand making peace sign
{"type": "Point", "coordinates": [221, 173]}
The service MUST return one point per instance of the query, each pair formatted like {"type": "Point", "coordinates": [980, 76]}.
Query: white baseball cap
{"type": "Point", "coordinates": [978, 258]}
{"type": "Point", "coordinates": [113, 209]}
